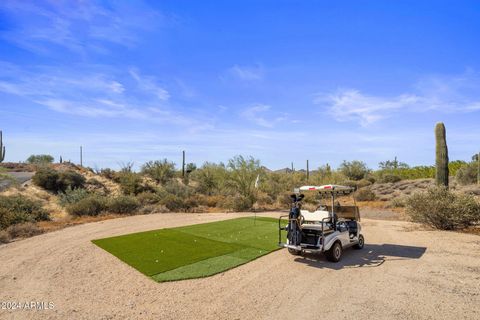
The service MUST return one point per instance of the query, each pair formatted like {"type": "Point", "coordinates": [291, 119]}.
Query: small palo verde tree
{"type": "Point", "coordinates": [441, 155]}
{"type": "Point", "coordinates": [242, 174]}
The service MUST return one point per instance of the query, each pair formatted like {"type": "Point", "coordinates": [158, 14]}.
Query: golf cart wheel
{"type": "Point", "coordinates": [335, 252]}
{"type": "Point", "coordinates": [361, 242]}
{"type": "Point", "coordinates": [294, 252]}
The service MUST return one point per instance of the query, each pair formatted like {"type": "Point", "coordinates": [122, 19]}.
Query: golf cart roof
{"type": "Point", "coordinates": [327, 188]}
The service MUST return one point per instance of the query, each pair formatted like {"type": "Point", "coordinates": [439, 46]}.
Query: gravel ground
{"type": "Point", "coordinates": [402, 273]}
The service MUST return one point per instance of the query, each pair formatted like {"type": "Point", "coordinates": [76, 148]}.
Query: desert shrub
{"type": "Point", "coordinates": [392, 165]}
{"type": "Point", "coordinates": [161, 171]}
{"type": "Point", "coordinates": [365, 194]}
{"type": "Point", "coordinates": [4, 236]}
{"type": "Point", "coordinates": [442, 209]}
{"type": "Point", "coordinates": [56, 181]}
{"type": "Point", "coordinates": [190, 203]}
{"type": "Point", "coordinates": [123, 204]}
{"type": "Point", "coordinates": [212, 201]}
{"type": "Point", "coordinates": [107, 173]}
{"type": "Point", "coordinates": [46, 178]}
{"type": "Point", "coordinates": [131, 183]}
{"type": "Point", "coordinates": [176, 188]}
{"type": "Point", "coordinates": [153, 208]}
{"type": "Point", "coordinates": [71, 179]}
{"type": "Point", "coordinates": [264, 199]}
{"type": "Point", "coordinates": [71, 196]}
{"type": "Point", "coordinates": [20, 209]}
{"type": "Point", "coordinates": [23, 230]}
{"type": "Point", "coordinates": [177, 203]}
{"type": "Point", "coordinates": [397, 202]}
{"type": "Point", "coordinates": [40, 159]}
{"type": "Point", "coordinates": [363, 183]}
{"type": "Point", "coordinates": [467, 174]}
{"type": "Point", "coordinates": [371, 179]}
{"type": "Point", "coordinates": [283, 200]}
{"type": "Point", "coordinates": [354, 170]}
{"type": "Point", "coordinates": [89, 206]}
{"type": "Point", "coordinates": [95, 182]}
{"type": "Point", "coordinates": [146, 198]}
{"type": "Point", "coordinates": [210, 178]}
{"type": "Point", "coordinates": [389, 177]}
{"type": "Point", "coordinates": [236, 203]}
{"type": "Point", "coordinates": [173, 202]}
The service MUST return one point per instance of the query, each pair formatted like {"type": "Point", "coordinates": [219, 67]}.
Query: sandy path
{"type": "Point", "coordinates": [402, 273]}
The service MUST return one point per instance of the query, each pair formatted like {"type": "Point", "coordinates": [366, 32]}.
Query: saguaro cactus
{"type": "Point", "coordinates": [441, 157]}
{"type": "Point", "coordinates": [2, 148]}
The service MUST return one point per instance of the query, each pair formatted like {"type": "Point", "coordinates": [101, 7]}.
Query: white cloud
{"type": "Point", "coordinates": [149, 85]}
{"type": "Point", "coordinates": [90, 91]}
{"type": "Point", "coordinates": [261, 115]}
{"type": "Point", "coordinates": [79, 26]}
{"type": "Point", "coordinates": [350, 104]}
{"type": "Point", "coordinates": [442, 94]}
{"type": "Point", "coordinates": [247, 73]}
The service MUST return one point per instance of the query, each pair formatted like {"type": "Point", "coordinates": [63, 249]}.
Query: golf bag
{"type": "Point", "coordinates": [294, 234]}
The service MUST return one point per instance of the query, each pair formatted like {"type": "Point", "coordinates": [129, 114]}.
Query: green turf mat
{"type": "Point", "coordinates": [197, 250]}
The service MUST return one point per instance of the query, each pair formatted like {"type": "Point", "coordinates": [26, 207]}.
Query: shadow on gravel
{"type": "Point", "coordinates": [372, 255]}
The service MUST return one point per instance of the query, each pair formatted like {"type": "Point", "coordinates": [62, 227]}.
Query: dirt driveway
{"type": "Point", "coordinates": [402, 273]}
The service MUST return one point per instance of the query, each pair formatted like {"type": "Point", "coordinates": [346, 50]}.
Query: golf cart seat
{"type": "Point", "coordinates": [315, 216]}
{"type": "Point", "coordinates": [313, 220]}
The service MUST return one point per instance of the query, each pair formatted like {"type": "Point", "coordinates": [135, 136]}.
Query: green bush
{"type": "Point", "coordinates": [365, 194]}
{"type": "Point", "coordinates": [397, 202]}
{"type": "Point", "coordinates": [241, 176]}
{"type": "Point", "coordinates": [161, 171]}
{"type": "Point", "coordinates": [89, 206]}
{"type": "Point", "coordinates": [443, 209]}
{"type": "Point", "coordinates": [173, 202]}
{"type": "Point", "coordinates": [146, 198]}
{"type": "Point", "coordinates": [71, 196]}
{"type": "Point", "coordinates": [467, 174]}
{"type": "Point", "coordinates": [354, 170]}
{"type": "Point", "coordinates": [47, 178]}
{"type": "Point", "coordinates": [20, 209]}
{"type": "Point", "coordinates": [131, 183]}
{"type": "Point", "coordinates": [210, 178]}
{"type": "Point", "coordinates": [392, 178]}
{"type": "Point", "coordinates": [56, 181]}
{"type": "Point", "coordinates": [123, 204]}
{"type": "Point", "coordinates": [237, 203]}
{"type": "Point", "coordinates": [40, 159]}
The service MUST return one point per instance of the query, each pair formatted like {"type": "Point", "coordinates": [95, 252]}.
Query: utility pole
{"type": "Point", "coordinates": [81, 156]}
{"type": "Point", "coordinates": [308, 171]}
{"type": "Point", "coordinates": [292, 166]}
{"type": "Point", "coordinates": [183, 164]}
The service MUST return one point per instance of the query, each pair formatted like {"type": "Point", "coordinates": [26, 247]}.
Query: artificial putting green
{"type": "Point", "coordinates": [195, 251]}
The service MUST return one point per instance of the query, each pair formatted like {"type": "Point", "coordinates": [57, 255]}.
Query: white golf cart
{"type": "Point", "coordinates": [329, 229]}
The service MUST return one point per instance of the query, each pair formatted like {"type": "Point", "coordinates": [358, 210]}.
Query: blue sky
{"type": "Point", "coordinates": [280, 80]}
